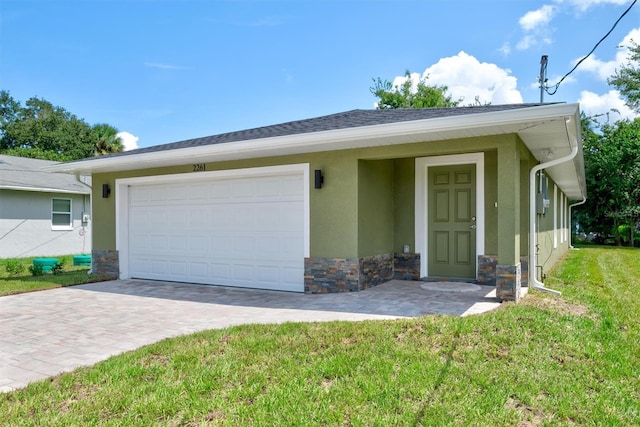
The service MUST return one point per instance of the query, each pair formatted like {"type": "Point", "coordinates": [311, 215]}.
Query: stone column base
{"type": "Point", "coordinates": [105, 261]}
{"type": "Point", "coordinates": [508, 282]}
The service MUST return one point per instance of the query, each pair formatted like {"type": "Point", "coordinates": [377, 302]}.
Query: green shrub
{"type": "Point", "coordinates": [59, 267]}
{"type": "Point", "coordinates": [36, 270]}
{"type": "Point", "coordinates": [14, 266]}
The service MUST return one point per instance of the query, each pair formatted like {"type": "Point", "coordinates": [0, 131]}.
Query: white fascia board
{"type": "Point", "coordinates": [357, 137]}
{"type": "Point", "coordinates": [42, 189]}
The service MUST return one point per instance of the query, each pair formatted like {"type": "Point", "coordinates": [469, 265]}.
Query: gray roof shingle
{"type": "Point", "coordinates": [27, 174]}
{"type": "Point", "coordinates": [344, 120]}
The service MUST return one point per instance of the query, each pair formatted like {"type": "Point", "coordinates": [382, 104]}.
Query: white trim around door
{"type": "Point", "coordinates": [421, 206]}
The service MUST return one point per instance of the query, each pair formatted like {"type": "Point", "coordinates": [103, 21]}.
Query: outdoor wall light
{"type": "Point", "coordinates": [105, 191]}
{"type": "Point", "coordinates": [319, 179]}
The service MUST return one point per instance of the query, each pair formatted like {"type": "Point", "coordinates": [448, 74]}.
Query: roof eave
{"type": "Point", "coordinates": [44, 189]}
{"type": "Point", "coordinates": [356, 137]}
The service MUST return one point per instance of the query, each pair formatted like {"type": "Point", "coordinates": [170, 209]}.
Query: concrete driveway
{"type": "Point", "coordinates": [45, 333]}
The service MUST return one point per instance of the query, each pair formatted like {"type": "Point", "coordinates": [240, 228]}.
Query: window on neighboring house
{"type": "Point", "coordinates": [61, 214]}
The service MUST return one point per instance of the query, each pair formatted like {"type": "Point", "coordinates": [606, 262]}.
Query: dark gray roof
{"type": "Point", "coordinates": [21, 173]}
{"type": "Point", "coordinates": [344, 120]}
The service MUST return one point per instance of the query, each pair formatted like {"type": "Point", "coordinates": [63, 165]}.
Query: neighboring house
{"type": "Point", "coordinates": [41, 213]}
{"type": "Point", "coordinates": [346, 201]}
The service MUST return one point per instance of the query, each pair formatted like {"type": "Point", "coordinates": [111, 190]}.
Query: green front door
{"type": "Point", "coordinates": [452, 221]}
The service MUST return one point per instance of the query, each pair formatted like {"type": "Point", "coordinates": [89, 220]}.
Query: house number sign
{"type": "Point", "coordinates": [199, 167]}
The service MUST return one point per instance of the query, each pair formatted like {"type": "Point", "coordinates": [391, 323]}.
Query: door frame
{"type": "Point", "coordinates": [422, 202]}
{"type": "Point", "coordinates": [122, 199]}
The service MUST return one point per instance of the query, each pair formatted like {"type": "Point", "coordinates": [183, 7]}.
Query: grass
{"type": "Point", "coordinates": [548, 360]}
{"type": "Point", "coordinates": [24, 281]}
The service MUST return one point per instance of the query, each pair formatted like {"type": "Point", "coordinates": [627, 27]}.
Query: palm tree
{"type": "Point", "coordinates": [106, 139]}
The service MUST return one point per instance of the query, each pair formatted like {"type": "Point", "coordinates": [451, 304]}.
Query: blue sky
{"type": "Point", "coordinates": [164, 71]}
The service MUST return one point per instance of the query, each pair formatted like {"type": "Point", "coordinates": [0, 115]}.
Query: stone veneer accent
{"type": "Point", "coordinates": [105, 261]}
{"type": "Point", "coordinates": [508, 282]}
{"type": "Point", "coordinates": [375, 270]}
{"type": "Point", "coordinates": [406, 266]}
{"type": "Point", "coordinates": [325, 275]}
{"type": "Point", "coordinates": [329, 275]}
{"type": "Point", "coordinates": [487, 269]}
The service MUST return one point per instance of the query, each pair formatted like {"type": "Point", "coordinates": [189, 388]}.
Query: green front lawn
{"type": "Point", "coordinates": [570, 360]}
{"type": "Point", "coordinates": [24, 281]}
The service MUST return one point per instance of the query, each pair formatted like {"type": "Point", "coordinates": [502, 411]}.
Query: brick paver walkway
{"type": "Point", "coordinates": [45, 333]}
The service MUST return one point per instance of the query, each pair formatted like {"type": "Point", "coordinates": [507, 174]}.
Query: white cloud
{"type": "Point", "coordinates": [535, 25]}
{"type": "Point", "coordinates": [468, 78]}
{"type": "Point", "coordinates": [537, 18]}
{"type": "Point", "coordinates": [129, 140]}
{"type": "Point", "coordinates": [583, 5]}
{"type": "Point", "coordinates": [593, 104]}
{"type": "Point", "coordinates": [605, 69]}
{"type": "Point", "coordinates": [505, 49]}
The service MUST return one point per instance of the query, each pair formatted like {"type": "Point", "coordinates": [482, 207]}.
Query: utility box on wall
{"type": "Point", "coordinates": [542, 198]}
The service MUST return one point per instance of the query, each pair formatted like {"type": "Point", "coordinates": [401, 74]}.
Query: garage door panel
{"type": "Point", "coordinates": [220, 271]}
{"type": "Point", "coordinates": [199, 270]}
{"type": "Point", "coordinates": [197, 191]}
{"type": "Point", "coordinates": [242, 273]}
{"type": "Point", "coordinates": [177, 193]}
{"type": "Point", "coordinates": [198, 244]}
{"type": "Point", "coordinates": [178, 243]}
{"type": "Point", "coordinates": [290, 186]}
{"type": "Point", "coordinates": [219, 217]}
{"type": "Point", "coordinates": [159, 243]}
{"type": "Point", "coordinates": [198, 217]}
{"type": "Point", "coordinates": [220, 245]}
{"type": "Point", "coordinates": [242, 247]}
{"type": "Point", "coordinates": [266, 245]}
{"type": "Point", "coordinates": [242, 218]}
{"type": "Point", "coordinates": [176, 219]}
{"type": "Point", "coordinates": [269, 274]}
{"type": "Point", "coordinates": [158, 267]}
{"type": "Point", "coordinates": [246, 231]}
{"type": "Point", "coordinates": [242, 189]}
{"type": "Point", "coordinates": [157, 194]}
{"type": "Point", "coordinates": [177, 268]}
{"type": "Point", "coordinates": [268, 188]}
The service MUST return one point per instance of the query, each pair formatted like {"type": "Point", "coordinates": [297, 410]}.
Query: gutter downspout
{"type": "Point", "coordinates": [584, 200]}
{"type": "Point", "coordinates": [533, 215]}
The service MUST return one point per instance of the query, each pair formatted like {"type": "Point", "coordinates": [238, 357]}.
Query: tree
{"type": "Point", "coordinates": [41, 130]}
{"type": "Point", "coordinates": [612, 166]}
{"type": "Point", "coordinates": [627, 78]}
{"type": "Point", "coordinates": [405, 96]}
{"type": "Point", "coordinates": [106, 139]}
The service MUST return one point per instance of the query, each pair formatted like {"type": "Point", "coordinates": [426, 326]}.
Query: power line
{"type": "Point", "coordinates": [592, 50]}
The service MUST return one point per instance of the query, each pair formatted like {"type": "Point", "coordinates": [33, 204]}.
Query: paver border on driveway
{"type": "Point", "coordinates": [49, 332]}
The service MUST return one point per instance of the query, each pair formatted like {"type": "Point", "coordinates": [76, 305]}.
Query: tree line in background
{"type": "Point", "coordinates": [40, 130]}
{"type": "Point", "coordinates": [612, 166]}
{"type": "Point", "coordinates": [611, 213]}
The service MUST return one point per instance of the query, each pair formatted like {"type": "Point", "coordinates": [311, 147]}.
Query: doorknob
{"type": "Point", "coordinates": [472, 226]}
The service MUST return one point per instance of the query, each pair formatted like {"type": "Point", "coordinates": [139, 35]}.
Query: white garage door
{"type": "Point", "coordinates": [243, 231]}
